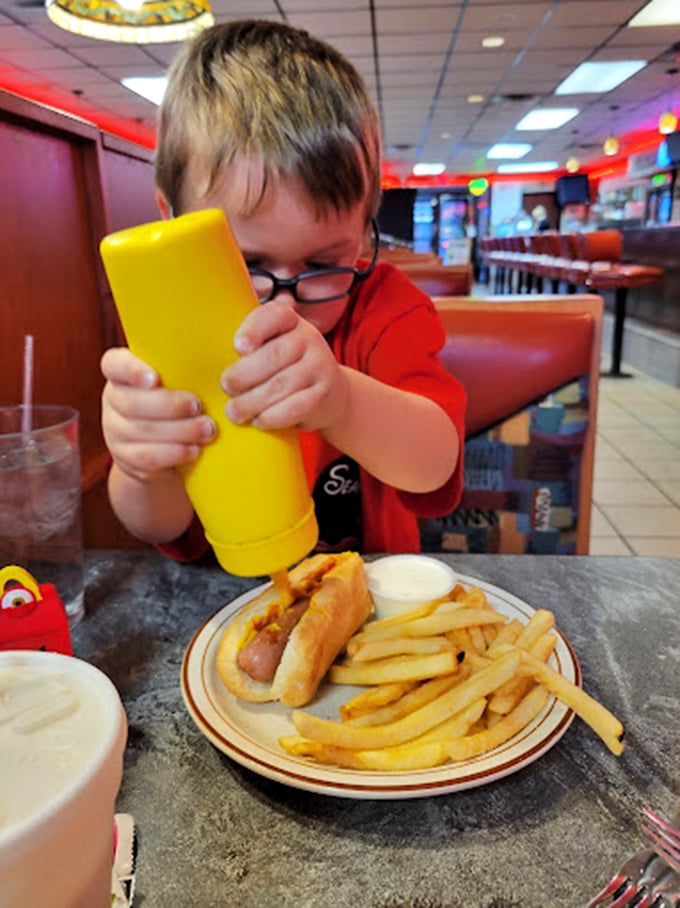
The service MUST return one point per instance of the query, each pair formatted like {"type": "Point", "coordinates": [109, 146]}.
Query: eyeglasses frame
{"type": "Point", "coordinates": [290, 283]}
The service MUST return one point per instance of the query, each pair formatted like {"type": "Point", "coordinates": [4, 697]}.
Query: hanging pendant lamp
{"type": "Point", "coordinates": [668, 122]}
{"type": "Point", "coordinates": [132, 21]}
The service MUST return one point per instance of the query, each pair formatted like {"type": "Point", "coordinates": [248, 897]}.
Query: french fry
{"type": "Point", "coordinates": [456, 726]}
{"type": "Point", "coordinates": [397, 646]}
{"type": "Point", "coordinates": [489, 632]}
{"type": "Point", "coordinates": [440, 623]}
{"type": "Point", "coordinates": [298, 746]}
{"type": "Point", "coordinates": [422, 695]}
{"type": "Point", "coordinates": [346, 735]}
{"type": "Point", "coordinates": [506, 633]}
{"type": "Point", "coordinates": [507, 696]}
{"type": "Point", "coordinates": [593, 713]}
{"type": "Point", "coordinates": [374, 697]}
{"type": "Point", "coordinates": [396, 668]}
{"type": "Point", "coordinates": [461, 638]}
{"type": "Point", "coordinates": [477, 637]}
{"type": "Point", "coordinates": [396, 620]}
{"type": "Point", "coordinates": [501, 731]}
{"type": "Point", "coordinates": [539, 623]}
{"type": "Point", "coordinates": [404, 758]}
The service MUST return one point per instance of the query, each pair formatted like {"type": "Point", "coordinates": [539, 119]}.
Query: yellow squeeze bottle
{"type": "Point", "coordinates": [181, 289]}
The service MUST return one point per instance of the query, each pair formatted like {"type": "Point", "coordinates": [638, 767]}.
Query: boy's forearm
{"type": "Point", "coordinates": [158, 511]}
{"type": "Point", "coordinates": [402, 439]}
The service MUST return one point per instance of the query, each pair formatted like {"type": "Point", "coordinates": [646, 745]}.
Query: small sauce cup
{"type": "Point", "coordinates": [402, 583]}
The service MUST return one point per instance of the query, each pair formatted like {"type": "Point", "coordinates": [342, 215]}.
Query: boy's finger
{"type": "Point", "coordinates": [262, 324]}
{"type": "Point", "coordinates": [144, 461]}
{"type": "Point", "coordinates": [162, 404]}
{"type": "Point", "coordinates": [121, 366]}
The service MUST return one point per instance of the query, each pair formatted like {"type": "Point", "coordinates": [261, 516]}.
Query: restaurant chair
{"type": "Point", "coordinates": [492, 252]}
{"type": "Point", "coordinates": [609, 272]}
{"type": "Point", "coordinates": [546, 250]}
{"type": "Point", "coordinates": [530, 368]}
{"type": "Point", "coordinates": [599, 267]}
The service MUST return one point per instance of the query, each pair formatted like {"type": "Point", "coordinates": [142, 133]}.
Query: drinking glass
{"type": "Point", "coordinates": [62, 736]}
{"type": "Point", "coordinates": [40, 499]}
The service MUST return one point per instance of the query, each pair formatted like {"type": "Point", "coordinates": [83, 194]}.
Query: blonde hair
{"type": "Point", "coordinates": [275, 96]}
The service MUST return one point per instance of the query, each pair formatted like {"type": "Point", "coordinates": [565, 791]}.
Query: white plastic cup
{"type": "Point", "coordinates": [40, 499]}
{"type": "Point", "coordinates": [62, 735]}
{"type": "Point", "coordinates": [402, 583]}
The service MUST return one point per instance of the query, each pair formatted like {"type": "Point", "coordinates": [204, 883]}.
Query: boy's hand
{"type": "Point", "coordinates": [148, 429]}
{"type": "Point", "coordinates": [286, 375]}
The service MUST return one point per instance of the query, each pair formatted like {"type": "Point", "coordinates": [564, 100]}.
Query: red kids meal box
{"type": "Point", "coordinates": [32, 615]}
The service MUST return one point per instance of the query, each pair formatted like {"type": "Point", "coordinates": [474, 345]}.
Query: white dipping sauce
{"type": "Point", "coordinates": [400, 583]}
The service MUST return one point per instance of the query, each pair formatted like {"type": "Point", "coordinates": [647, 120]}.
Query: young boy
{"type": "Point", "coordinates": [276, 128]}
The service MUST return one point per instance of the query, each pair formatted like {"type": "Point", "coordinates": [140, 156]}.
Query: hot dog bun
{"type": "Point", "coordinates": [339, 605]}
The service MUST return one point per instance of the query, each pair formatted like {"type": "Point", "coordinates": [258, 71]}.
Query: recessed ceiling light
{"type": "Point", "coordinates": [446, 135]}
{"type": "Point", "coordinates": [150, 87]}
{"type": "Point", "coordinates": [512, 150]}
{"type": "Point", "coordinates": [536, 167]}
{"type": "Point", "coordinates": [547, 118]}
{"type": "Point", "coordinates": [493, 41]}
{"type": "Point", "coordinates": [658, 12]}
{"type": "Point", "coordinates": [428, 169]}
{"type": "Point", "coordinates": [591, 78]}
{"type": "Point", "coordinates": [475, 99]}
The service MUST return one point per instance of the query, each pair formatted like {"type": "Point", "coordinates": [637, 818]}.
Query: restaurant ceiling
{"type": "Point", "coordinates": [421, 60]}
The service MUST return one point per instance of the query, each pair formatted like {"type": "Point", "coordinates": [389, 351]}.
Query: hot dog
{"type": "Point", "coordinates": [275, 649]}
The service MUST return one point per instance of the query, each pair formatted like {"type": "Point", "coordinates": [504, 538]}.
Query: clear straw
{"type": "Point", "coordinates": [27, 395]}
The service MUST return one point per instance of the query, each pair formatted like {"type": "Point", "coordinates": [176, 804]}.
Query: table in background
{"type": "Point", "coordinates": [212, 833]}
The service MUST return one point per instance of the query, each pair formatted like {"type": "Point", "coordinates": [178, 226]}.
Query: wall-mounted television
{"type": "Point", "coordinates": [572, 189]}
{"type": "Point", "coordinates": [673, 146]}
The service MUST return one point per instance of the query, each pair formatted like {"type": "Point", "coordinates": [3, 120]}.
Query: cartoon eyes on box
{"type": "Point", "coordinates": [32, 615]}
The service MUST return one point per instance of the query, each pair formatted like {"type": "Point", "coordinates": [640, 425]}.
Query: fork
{"type": "Point", "coordinates": [663, 892]}
{"type": "Point", "coordinates": [664, 837]}
{"type": "Point", "coordinates": [645, 879]}
{"type": "Point", "coordinates": [627, 881]}
{"type": "Point", "coordinates": [657, 886]}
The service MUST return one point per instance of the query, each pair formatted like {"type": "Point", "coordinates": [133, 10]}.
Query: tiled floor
{"type": "Point", "coordinates": [636, 494]}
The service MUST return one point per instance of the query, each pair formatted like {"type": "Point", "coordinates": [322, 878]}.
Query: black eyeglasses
{"type": "Point", "coordinates": [320, 286]}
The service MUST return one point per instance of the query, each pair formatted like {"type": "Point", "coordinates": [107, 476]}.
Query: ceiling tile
{"type": "Point", "coordinates": [429, 60]}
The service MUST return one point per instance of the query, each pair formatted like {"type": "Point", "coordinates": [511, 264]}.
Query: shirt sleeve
{"type": "Point", "coordinates": [190, 546]}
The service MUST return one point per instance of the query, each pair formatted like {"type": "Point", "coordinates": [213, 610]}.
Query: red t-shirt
{"type": "Point", "coordinates": [390, 331]}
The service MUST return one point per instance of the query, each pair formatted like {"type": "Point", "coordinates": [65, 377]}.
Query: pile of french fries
{"type": "Point", "coordinates": [448, 681]}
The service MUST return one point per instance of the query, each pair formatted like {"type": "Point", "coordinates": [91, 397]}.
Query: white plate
{"type": "Point", "coordinates": [249, 732]}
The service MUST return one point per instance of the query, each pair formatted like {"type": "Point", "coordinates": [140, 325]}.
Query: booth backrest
{"type": "Point", "coordinates": [530, 367]}
{"type": "Point", "coordinates": [439, 280]}
{"type": "Point", "coordinates": [407, 256]}
{"type": "Point", "coordinates": [508, 358]}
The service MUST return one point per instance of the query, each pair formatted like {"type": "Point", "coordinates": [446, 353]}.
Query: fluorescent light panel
{"type": "Point", "coordinates": [428, 170]}
{"type": "Point", "coordinates": [150, 87]}
{"type": "Point", "coordinates": [547, 118]}
{"type": "Point", "coordinates": [528, 167]}
{"type": "Point", "coordinates": [493, 41]}
{"type": "Point", "coordinates": [596, 78]}
{"type": "Point", "coordinates": [658, 12]}
{"type": "Point", "coordinates": [512, 150]}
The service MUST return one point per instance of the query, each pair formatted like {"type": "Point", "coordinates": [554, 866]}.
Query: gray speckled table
{"type": "Point", "coordinates": [212, 833]}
